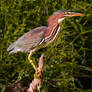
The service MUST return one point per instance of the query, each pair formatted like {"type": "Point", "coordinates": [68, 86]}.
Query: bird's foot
{"type": "Point", "coordinates": [37, 73]}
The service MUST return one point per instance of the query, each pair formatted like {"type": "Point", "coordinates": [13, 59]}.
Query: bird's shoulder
{"type": "Point", "coordinates": [38, 30]}
{"type": "Point", "coordinates": [34, 33]}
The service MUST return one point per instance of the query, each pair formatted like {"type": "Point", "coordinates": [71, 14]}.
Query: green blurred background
{"type": "Point", "coordinates": [68, 60]}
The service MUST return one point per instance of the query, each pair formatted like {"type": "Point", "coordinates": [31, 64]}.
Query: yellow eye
{"type": "Point", "coordinates": [68, 13]}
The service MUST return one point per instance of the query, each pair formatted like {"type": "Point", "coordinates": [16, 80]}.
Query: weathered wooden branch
{"type": "Point", "coordinates": [35, 85]}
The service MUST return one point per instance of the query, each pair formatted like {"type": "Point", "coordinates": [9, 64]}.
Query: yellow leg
{"type": "Point", "coordinates": [34, 66]}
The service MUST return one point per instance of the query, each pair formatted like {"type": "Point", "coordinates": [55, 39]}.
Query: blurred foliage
{"type": "Point", "coordinates": [67, 59]}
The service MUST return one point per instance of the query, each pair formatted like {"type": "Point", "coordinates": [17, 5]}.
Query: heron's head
{"type": "Point", "coordinates": [62, 14]}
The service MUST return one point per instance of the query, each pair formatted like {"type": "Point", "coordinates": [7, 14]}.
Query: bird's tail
{"type": "Point", "coordinates": [11, 48]}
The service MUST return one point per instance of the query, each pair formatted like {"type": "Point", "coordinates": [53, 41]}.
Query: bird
{"type": "Point", "coordinates": [41, 36]}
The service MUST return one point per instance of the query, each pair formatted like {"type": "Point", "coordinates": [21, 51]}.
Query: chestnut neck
{"type": "Point", "coordinates": [52, 24]}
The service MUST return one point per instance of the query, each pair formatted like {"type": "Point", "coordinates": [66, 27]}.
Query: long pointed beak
{"type": "Point", "coordinates": [77, 14]}
{"type": "Point", "coordinates": [74, 14]}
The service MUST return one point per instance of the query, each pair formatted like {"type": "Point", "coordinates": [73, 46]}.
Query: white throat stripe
{"type": "Point", "coordinates": [59, 20]}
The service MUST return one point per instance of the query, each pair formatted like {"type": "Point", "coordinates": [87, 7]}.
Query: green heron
{"type": "Point", "coordinates": [40, 36]}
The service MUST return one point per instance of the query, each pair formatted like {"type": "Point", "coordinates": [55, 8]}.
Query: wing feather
{"type": "Point", "coordinates": [29, 40]}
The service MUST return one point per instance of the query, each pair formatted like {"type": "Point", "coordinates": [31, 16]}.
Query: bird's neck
{"type": "Point", "coordinates": [52, 32]}
{"type": "Point", "coordinates": [52, 25]}
{"type": "Point", "coordinates": [52, 28]}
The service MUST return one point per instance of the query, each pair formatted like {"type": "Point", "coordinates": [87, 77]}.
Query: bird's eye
{"type": "Point", "coordinates": [68, 13]}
